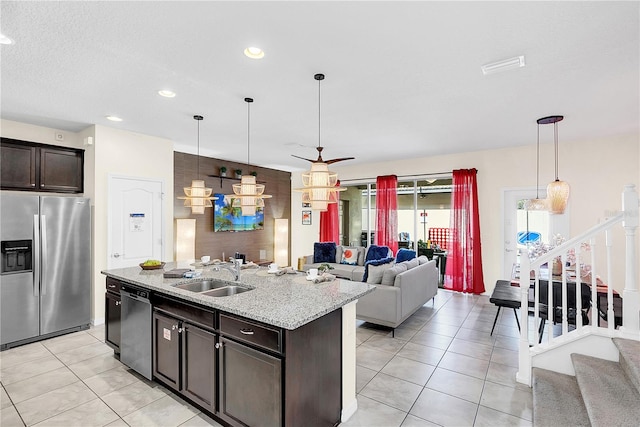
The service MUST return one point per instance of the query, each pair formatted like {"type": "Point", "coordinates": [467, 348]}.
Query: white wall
{"type": "Point", "coordinates": [131, 154]}
{"type": "Point", "coordinates": [596, 170]}
{"type": "Point", "coordinates": [113, 151]}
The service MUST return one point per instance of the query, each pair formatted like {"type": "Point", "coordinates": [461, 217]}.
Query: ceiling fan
{"type": "Point", "coordinates": [319, 78]}
{"type": "Point", "coordinates": [320, 160]}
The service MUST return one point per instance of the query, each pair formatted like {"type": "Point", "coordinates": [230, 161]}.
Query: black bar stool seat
{"type": "Point", "coordinates": [505, 295]}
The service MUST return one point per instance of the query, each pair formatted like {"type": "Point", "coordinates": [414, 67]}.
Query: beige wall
{"type": "Point", "coordinates": [595, 169]}
{"type": "Point", "coordinates": [115, 152]}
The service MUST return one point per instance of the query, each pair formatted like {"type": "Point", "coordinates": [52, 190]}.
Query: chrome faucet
{"type": "Point", "coordinates": [235, 268]}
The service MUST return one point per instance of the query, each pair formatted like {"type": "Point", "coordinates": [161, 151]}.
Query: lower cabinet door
{"type": "Point", "coordinates": [199, 366]}
{"type": "Point", "coordinates": [250, 386]}
{"type": "Point", "coordinates": [112, 324]}
{"type": "Point", "coordinates": [166, 349]}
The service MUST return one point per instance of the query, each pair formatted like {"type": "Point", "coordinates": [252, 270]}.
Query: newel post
{"type": "Point", "coordinates": [524, 357]}
{"type": "Point", "coordinates": [630, 295]}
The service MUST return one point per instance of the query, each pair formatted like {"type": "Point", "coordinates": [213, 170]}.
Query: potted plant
{"type": "Point", "coordinates": [223, 171]}
{"type": "Point", "coordinates": [238, 173]}
{"type": "Point", "coordinates": [254, 173]}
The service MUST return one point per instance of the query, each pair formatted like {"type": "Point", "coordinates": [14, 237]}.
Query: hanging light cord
{"type": "Point", "coordinates": [319, 80]}
{"type": "Point", "coordinates": [537, 166]}
{"type": "Point", "coordinates": [198, 118]}
{"type": "Point", "coordinates": [555, 145]}
{"type": "Point", "coordinates": [248, 132]}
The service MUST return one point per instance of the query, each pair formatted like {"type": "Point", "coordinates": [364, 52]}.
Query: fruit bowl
{"type": "Point", "coordinates": [152, 267]}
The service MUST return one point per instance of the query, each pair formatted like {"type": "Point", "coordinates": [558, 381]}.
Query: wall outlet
{"type": "Point", "coordinates": [263, 254]}
{"type": "Point", "coordinates": [59, 136]}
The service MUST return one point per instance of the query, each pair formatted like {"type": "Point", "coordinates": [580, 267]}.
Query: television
{"type": "Point", "coordinates": [228, 218]}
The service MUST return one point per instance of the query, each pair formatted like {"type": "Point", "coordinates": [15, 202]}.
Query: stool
{"type": "Point", "coordinates": [505, 295]}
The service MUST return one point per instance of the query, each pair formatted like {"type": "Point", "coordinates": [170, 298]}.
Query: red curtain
{"type": "Point", "coordinates": [387, 212]}
{"type": "Point", "coordinates": [330, 223]}
{"type": "Point", "coordinates": [464, 260]}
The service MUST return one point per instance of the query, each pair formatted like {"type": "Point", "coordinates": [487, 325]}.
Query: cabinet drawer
{"type": "Point", "coordinates": [113, 285]}
{"type": "Point", "coordinates": [196, 315]}
{"type": "Point", "coordinates": [250, 332]}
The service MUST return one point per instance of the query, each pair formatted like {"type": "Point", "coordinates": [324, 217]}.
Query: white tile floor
{"type": "Point", "coordinates": [442, 368]}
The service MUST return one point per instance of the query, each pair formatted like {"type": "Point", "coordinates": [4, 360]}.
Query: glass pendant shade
{"type": "Point", "coordinates": [197, 197]}
{"type": "Point", "coordinates": [248, 195]}
{"type": "Point", "coordinates": [558, 195]}
{"type": "Point", "coordinates": [537, 204]}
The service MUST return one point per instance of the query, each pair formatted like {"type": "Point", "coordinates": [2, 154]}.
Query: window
{"type": "Point", "coordinates": [422, 204]}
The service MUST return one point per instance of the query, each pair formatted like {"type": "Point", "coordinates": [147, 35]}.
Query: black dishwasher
{"type": "Point", "coordinates": [136, 330]}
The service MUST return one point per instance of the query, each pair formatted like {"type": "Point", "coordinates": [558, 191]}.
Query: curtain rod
{"type": "Point", "coordinates": [400, 176]}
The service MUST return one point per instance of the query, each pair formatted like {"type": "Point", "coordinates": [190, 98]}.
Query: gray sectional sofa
{"type": "Point", "coordinates": [401, 289]}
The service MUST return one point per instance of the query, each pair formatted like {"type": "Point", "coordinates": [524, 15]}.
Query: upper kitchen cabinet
{"type": "Point", "coordinates": [30, 166]}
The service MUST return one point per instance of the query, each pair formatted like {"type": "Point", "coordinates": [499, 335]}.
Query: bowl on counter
{"type": "Point", "coordinates": [152, 267]}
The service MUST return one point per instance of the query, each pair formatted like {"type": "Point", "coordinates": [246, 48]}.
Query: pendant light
{"type": "Point", "coordinates": [537, 204]}
{"type": "Point", "coordinates": [557, 191]}
{"type": "Point", "coordinates": [247, 194]}
{"type": "Point", "coordinates": [197, 197]}
{"type": "Point", "coordinates": [320, 184]}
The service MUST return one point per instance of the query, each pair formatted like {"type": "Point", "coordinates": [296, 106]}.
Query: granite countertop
{"type": "Point", "coordinates": [288, 301]}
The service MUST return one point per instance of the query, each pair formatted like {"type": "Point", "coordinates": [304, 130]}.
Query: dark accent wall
{"type": "Point", "coordinates": [277, 183]}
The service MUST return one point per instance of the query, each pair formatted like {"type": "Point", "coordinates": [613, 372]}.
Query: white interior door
{"type": "Point", "coordinates": [135, 221]}
{"type": "Point", "coordinates": [519, 220]}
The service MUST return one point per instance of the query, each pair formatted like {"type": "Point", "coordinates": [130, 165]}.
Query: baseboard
{"type": "Point", "coordinates": [349, 411]}
{"type": "Point", "coordinates": [97, 322]}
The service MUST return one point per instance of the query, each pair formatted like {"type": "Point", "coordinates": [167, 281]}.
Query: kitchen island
{"type": "Point", "coordinates": [282, 353]}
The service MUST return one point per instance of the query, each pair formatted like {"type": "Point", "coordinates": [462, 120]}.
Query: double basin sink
{"type": "Point", "coordinates": [213, 288]}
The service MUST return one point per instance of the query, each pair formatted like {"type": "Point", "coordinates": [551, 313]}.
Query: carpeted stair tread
{"type": "Point", "coordinates": [557, 400]}
{"type": "Point", "coordinates": [630, 359]}
{"type": "Point", "coordinates": [609, 396]}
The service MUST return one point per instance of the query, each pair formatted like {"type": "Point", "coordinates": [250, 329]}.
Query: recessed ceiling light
{"type": "Point", "coordinates": [167, 93]}
{"type": "Point", "coordinates": [254, 52]}
{"type": "Point", "coordinates": [506, 64]}
{"type": "Point", "coordinates": [5, 40]}
{"type": "Point", "coordinates": [114, 118]}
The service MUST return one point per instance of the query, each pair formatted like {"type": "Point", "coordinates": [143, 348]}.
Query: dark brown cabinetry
{"type": "Point", "coordinates": [184, 352]}
{"type": "Point", "coordinates": [112, 315]}
{"type": "Point", "coordinates": [250, 387]}
{"type": "Point", "coordinates": [30, 166]}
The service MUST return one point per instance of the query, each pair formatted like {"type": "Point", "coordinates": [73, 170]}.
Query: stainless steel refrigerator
{"type": "Point", "coordinates": [45, 280]}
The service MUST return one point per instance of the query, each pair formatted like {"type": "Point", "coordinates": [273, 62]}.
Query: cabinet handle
{"type": "Point", "coordinates": [112, 286]}
{"type": "Point", "coordinates": [118, 302]}
{"type": "Point", "coordinates": [174, 327]}
{"type": "Point", "coordinates": [246, 331]}
{"type": "Point", "coordinates": [218, 345]}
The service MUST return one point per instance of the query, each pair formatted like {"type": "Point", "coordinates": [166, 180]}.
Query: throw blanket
{"type": "Point", "coordinates": [377, 252]}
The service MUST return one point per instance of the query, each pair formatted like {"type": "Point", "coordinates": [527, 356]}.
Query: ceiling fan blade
{"type": "Point", "coordinates": [338, 160]}
{"type": "Point", "coordinates": [309, 160]}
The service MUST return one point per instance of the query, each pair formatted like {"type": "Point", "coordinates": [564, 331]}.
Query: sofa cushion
{"type": "Point", "coordinates": [376, 272]}
{"type": "Point", "coordinates": [361, 252]}
{"type": "Point", "coordinates": [412, 263]}
{"type": "Point", "coordinates": [324, 252]}
{"type": "Point", "coordinates": [423, 259]}
{"type": "Point", "coordinates": [349, 255]}
{"type": "Point", "coordinates": [389, 276]}
{"type": "Point", "coordinates": [375, 263]}
{"type": "Point", "coordinates": [405, 254]}
{"type": "Point", "coordinates": [339, 249]}
{"type": "Point", "coordinates": [375, 252]}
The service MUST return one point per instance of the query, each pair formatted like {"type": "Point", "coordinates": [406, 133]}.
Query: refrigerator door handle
{"type": "Point", "coordinates": [43, 249]}
{"type": "Point", "coordinates": [36, 255]}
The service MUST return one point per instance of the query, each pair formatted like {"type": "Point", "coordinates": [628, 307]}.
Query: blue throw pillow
{"type": "Point", "coordinates": [405, 255]}
{"type": "Point", "coordinates": [377, 252]}
{"type": "Point", "coordinates": [374, 262]}
{"type": "Point", "coordinates": [324, 252]}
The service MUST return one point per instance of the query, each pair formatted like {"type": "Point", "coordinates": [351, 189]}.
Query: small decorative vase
{"type": "Point", "coordinates": [223, 173]}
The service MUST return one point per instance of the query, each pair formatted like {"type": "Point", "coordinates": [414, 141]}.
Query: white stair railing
{"type": "Point", "coordinates": [601, 295]}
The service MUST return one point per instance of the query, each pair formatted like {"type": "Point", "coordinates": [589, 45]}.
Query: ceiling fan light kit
{"type": "Point", "coordinates": [248, 195]}
{"type": "Point", "coordinates": [197, 197]}
{"type": "Point", "coordinates": [320, 185]}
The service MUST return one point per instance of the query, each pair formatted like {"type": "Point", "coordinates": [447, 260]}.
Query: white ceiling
{"type": "Point", "coordinates": [403, 79]}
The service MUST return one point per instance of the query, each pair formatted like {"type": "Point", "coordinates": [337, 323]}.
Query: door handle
{"type": "Point", "coordinates": [116, 255]}
{"type": "Point", "coordinates": [43, 247]}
